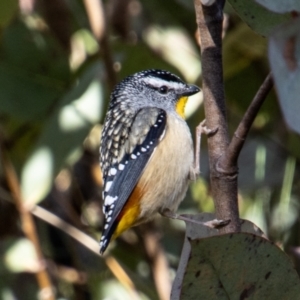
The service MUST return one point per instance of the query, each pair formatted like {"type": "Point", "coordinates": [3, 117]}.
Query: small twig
{"type": "Point", "coordinates": [108, 62]}
{"type": "Point", "coordinates": [159, 263]}
{"type": "Point", "coordinates": [84, 240]}
{"type": "Point", "coordinates": [28, 226]}
{"type": "Point", "coordinates": [121, 275]}
{"type": "Point", "coordinates": [89, 243]}
{"type": "Point", "coordinates": [228, 162]}
{"type": "Point", "coordinates": [72, 231]}
{"type": "Point", "coordinates": [95, 12]}
{"type": "Point", "coordinates": [96, 15]}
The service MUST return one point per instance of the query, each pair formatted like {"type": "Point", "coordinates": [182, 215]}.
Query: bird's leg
{"type": "Point", "coordinates": [212, 224]}
{"type": "Point", "coordinates": [194, 173]}
{"type": "Point", "coordinates": [200, 129]}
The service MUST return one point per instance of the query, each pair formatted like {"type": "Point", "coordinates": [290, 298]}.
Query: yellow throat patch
{"type": "Point", "coordinates": [180, 105]}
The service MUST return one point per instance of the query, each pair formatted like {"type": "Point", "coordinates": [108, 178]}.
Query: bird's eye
{"type": "Point", "coordinates": [163, 89]}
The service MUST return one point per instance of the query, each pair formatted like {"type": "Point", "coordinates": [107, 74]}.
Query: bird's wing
{"type": "Point", "coordinates": [120, 178]}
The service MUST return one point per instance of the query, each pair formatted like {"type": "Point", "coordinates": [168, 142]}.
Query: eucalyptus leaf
{"type": "Point", "coordinates": [34, 72]}
{"type": "Point", "coordinates": [284, 56]}
{"type": "Point", "coordinates": [14, 257]}
{"type": "Point", "coordinates": [8, 9]}
{"type": "Point", "coordinates": [64, 132]}
{"type": "Point", "coordinates": [195, 229]}
{"type": "Point", "coordinates": [280, 6]}
{"type": "Point", "coordinates": [257, 17]}
{"type": "Point", "coordinates": [239, 266]}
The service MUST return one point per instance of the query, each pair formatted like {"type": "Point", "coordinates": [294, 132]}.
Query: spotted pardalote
{"type": "Point", "coordinates": [146, 151]}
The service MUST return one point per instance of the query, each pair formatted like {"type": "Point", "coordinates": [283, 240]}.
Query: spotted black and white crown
{"type": "Point", "coordinates": [153, 77]}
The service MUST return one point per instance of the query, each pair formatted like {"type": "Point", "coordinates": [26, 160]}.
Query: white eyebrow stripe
{"type": "Point", "coordinates": [157, 82]}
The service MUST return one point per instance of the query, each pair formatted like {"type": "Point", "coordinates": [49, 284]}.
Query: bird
{"type": "Point", "coordinates": [146, 150]}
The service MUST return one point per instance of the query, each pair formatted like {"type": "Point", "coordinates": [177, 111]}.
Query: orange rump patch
{"type": "Point", "coordinates": [128, 216]}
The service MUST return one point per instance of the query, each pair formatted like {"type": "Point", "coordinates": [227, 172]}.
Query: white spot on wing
{"type": "Point", "coordinates": [109, 200]}
{"type": "Point", "coordinates": [133, 156]}
{"type": "Point", "coordinates": [108, 185]}
{"type": "Point", "coordinates": [121, 167]}
{"type": "Point", "coordinates": [112, 171]}
{"type": "Point", "coordinates": [103, 242]}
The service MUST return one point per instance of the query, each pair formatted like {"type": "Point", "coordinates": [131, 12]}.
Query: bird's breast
{"type": "Point", "coordinates": [165, 179]}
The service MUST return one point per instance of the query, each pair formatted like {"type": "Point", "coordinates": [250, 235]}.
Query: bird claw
{"type": "Point", "coordinates": [203, 129]}
{"type": "Point", "coordinates": [216, 224]}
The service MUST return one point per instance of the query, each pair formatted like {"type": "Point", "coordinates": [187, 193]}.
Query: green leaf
{"type": "Point", "coordinates": [280, 6]}
{"type": "Point", "coordinates": [185, 57]}
{"type": "Point", "coordinates": [37, 175]}
{"type": "Point", "coordinates": [257, 17]}
{"type": "Point", "coordinates": [63, 134]}
{"type": "Point", "coordinates": [239, 57]}
{"type": "Point", "coordinates": [15, 254]}
{"type": "Point", "coordinates": [195, 229]}
{"type": "Point", "coordinates": [284, 56]}
{"type": "Point", "coordinates": [239, 266]}
{"type": "Point", "coordinates": [8, 9]}
{"type": "Point", "coordinates": [138, 57]}
{"type": "Point", "coordinates": [24, 95]}
{"type": "Point", "coordinates": [34, 72]}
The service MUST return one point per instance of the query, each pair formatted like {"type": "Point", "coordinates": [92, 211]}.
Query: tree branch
{"type": "Point", "coordinates": [89, 243]}
{"type": "Point", "coordinates": [158, 262]}
{"type": "Point", "coordinates": [223, 187]}
{"type": "Point", "coordinates": [97, 20]}
{"type": "Point", "coordinates": [83, 239]}
{"type": "Point", "coordinates": [28, 227]}
{"type": "Point", "coordinates": [228, 162]}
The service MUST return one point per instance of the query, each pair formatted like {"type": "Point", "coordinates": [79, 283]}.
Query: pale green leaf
{"type": "Point", "coordinates": [8, 9]}
{"type": "Point", "coordinates": [195, 229]}
{"type": "Point", "coordinates": [280, 6]}
{"type": "Point", "coordinates": [284, 56]}
{"type": "Point", "coordinates": [257, 17]}
{"type": "Point", "coordinates": [63, 134]}
{"type": "Point", "coordinates": [21, 257]}
{"type": "Point", "coordinates": [239, 266]}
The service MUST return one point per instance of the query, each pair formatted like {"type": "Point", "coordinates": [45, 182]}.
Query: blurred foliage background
{"type": "Point", "coordinates": [59, 61]}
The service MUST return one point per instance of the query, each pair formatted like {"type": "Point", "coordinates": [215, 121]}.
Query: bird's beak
{"type": "Point", "coordinates": [190, 90]}
{"type": "Point", "coordinates": [183, 98]}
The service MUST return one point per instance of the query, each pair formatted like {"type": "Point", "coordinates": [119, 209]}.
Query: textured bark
{"type": "Point", "coordinates": [223, 155]}
{"type": "Point", "coordinates": [223, 184]}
